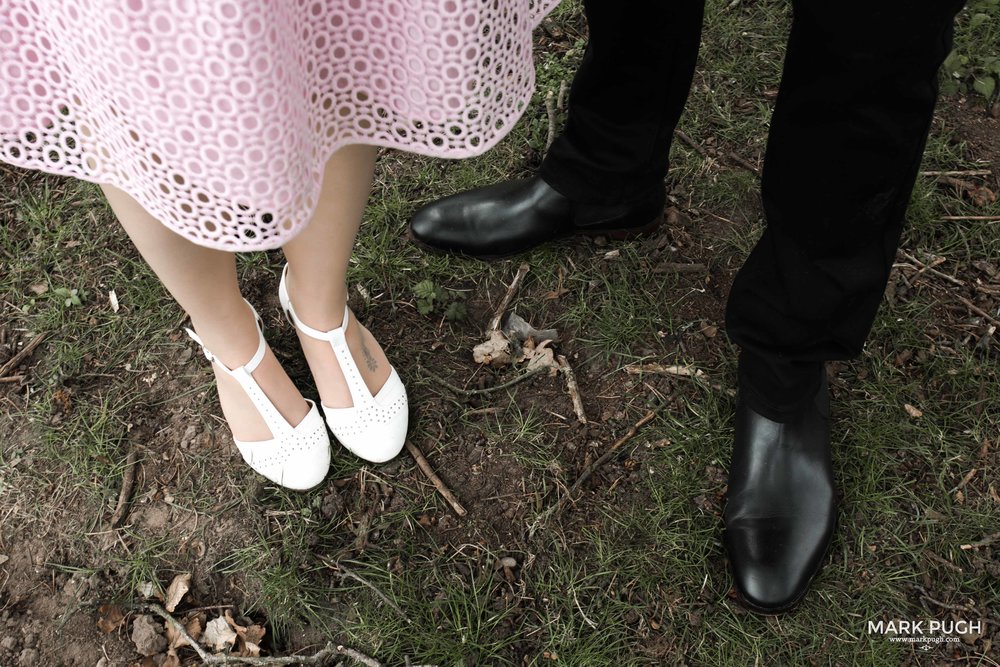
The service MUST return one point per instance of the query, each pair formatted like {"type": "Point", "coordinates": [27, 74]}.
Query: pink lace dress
{"type": "Point", "coordinates": [219, 115]}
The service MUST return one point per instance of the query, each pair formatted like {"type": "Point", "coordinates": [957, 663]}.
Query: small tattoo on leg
{"type": "Point", "coordinates": [370, 361]}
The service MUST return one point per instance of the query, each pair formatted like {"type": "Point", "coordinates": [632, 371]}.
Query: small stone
{"type": "Point", "coordinates": [31, 640]}
{"type": "Point", "coordinates": [28, 657]}
{"type": "Point", "coordinates": [8, 643]}
{"type": "Point", "coordinates": [146, 636]}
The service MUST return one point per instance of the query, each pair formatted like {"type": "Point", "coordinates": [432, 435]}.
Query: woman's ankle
{"type": "Point", "coordinates": [230, 333]}
{"type": "Point", "coordinates": [318, 304]}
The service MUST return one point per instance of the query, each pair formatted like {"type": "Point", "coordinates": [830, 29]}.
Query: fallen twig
{"type": "Point", "coordinates": [442, 488]}
{"type": "Point", "coordinates": [945, 605]}
{"type": "Point", "coordinates": [938, 559]}
{"type": "Point", "coordinates": [921, 266]}
{"type": "Point", "coordinates": [494, 325]}
{"type": "Point", "coordinates": [346, 573]}
{"type": "Point", "coordinates": [561, 99]}
{"type": "Point", "coordinates": [977, 310]}
{"type": "Point", "coordinates": [660, 369]}
{"type": "Point", "coordinates": [965, 480]}
{"type": "Point", "coordinates": [690, 142]}
{"type": "Point", "coordinates": [16, 360]}
{"type": "Point", "coordinates": [586, 474]}
{"type": "Point", "coordinates": [481, 411]}
{"type": "Point", "coordinates": [574, 391]}
{"type": "Point", "coordinates": [478, 392]}
{"type": "Point", "coordinates": [960, 172]}
{"type": "Point", "coordinates": [12, 378]}
{"type": "Point", "coordinates": [550, 109]}
{"type": "Point", "coordinates": [678, 267]}
{"type": "Point", "coordinates": [970, 217]}
{"type": "Point", "coordinates": [746, 164]}
{"type": "Point", "coordinates": [985, 542]}
{"type": "Point", "coordinates": [558, 506]}
{"type": "Point", "coordinates": [128, 480]}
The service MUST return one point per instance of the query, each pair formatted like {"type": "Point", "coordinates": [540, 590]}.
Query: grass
{"type": "Point", "coordinates": [634, 574]}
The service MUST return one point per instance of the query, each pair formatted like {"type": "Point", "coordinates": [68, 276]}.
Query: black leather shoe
{"type": "Point", "coordinates": [509, 218]}
{"type": "Point", "coordinates": [781, 505]}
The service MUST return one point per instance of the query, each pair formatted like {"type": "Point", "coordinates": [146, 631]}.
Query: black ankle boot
{"type": "Point", "coordinates": [781, 506]}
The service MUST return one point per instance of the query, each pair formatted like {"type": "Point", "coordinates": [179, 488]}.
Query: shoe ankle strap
{"type": "Point", "coordinates": [331, 335]}
{"type": "Point", "coordinates": [251, 365]}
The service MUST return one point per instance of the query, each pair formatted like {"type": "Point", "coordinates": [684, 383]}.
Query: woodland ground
{"type": "Point", "coordinates": [632, 572]}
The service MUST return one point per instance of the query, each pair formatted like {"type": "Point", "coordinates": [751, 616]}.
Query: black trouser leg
{"type": "Point", "coordinates": [625, 100]}
{"type": "Point", "coordinates": [847, 134]}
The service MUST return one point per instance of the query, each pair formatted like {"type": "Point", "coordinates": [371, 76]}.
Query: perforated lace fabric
{"type": "Point", "coordinates": [218, 116]}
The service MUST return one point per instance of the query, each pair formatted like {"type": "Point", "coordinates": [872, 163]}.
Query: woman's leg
{"type": "Point", "coordinates": [317, 275]}
{"type": "Point", "coordinates": [203, 281]}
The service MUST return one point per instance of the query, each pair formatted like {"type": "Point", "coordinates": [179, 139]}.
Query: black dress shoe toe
{"type": "Point", "coordinates": [781, 504]}
{"type": "Point", "coordinates": [513, 217]}
{"type": "Point", "coordinates": [494, 221]}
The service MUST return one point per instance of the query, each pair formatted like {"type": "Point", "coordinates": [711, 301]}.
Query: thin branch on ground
{"type": "Point", "coordinates": [515, 284]}
{"type": "Point", "coordinates": [678, 267]}
{"type": "Point", "coordinates": [978, 311]}
{"type": "Point", "coordinates": [660, 369]}
{"type": "Point", "coordinates": [128, 481]}
{"type": "Point", "coordinates": [550, 110]}
{"type": "Point", "coordinates": [442, 488]}
{"type": "Point", "coordinates": [971, 217]}
{"type": "Point", "coordinates": [488, 390]}
{"type": "Point", "coordinates": [567, 497]}
{"type": "Point", "coordinates": [571, 387]}
{"type": "Point", "coordinates": [922, 267]}
{"type": "Point", "coordinates": [346, 573]}
{"type": "Point", "coordinates": [561, 99]}
{"type": "Point", "coordinates": [680, 134]}
{"type": "Point", "coordinates": [959, 172]}
{"type": "Point", "coordinates": [25, 352]}
{"type": "Point", "coordinates": [985, 542]}
{"type": "Point", "coordinates": [743, 162]}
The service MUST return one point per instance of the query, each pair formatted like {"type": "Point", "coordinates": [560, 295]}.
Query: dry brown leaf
{"type": "Point", "coordinates": [148, 589]}
{"type": "Point", "coordinates": [171, 660]}
{"type": "Point", "coordinates": [250, 639]}
{"type": "Point", "coordinates": [110, 618]}
{"type": "Point", "coordinates": [493, 352]}
{"type": "Point", "coordinates": [193, 626]}
{"type": "Point", "coordinates": [177, 590]}
{"type": "Point", "coordinates": [174, 638]}
{"type": "Point", "coordinates": [912, 411]}
{"type": "Point", "coordinates": [980, 195]}
{"type": "Point", "coordinates": [540, 356]}
{"type": "Point", "coordinates": [218, 635]}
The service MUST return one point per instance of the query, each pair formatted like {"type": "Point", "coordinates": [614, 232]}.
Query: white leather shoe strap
{"type": "Point", "coordinates": [360, 395]}
{"type": "Point", "coordinates": [277, 424]}
{"type": "Point", "coordinates": [302, 326]}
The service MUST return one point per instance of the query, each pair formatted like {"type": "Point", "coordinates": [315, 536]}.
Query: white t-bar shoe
{"type": "Point", "coordinates": [374, 428]}
{"type": "Point", "coordinates": [296, 457]}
